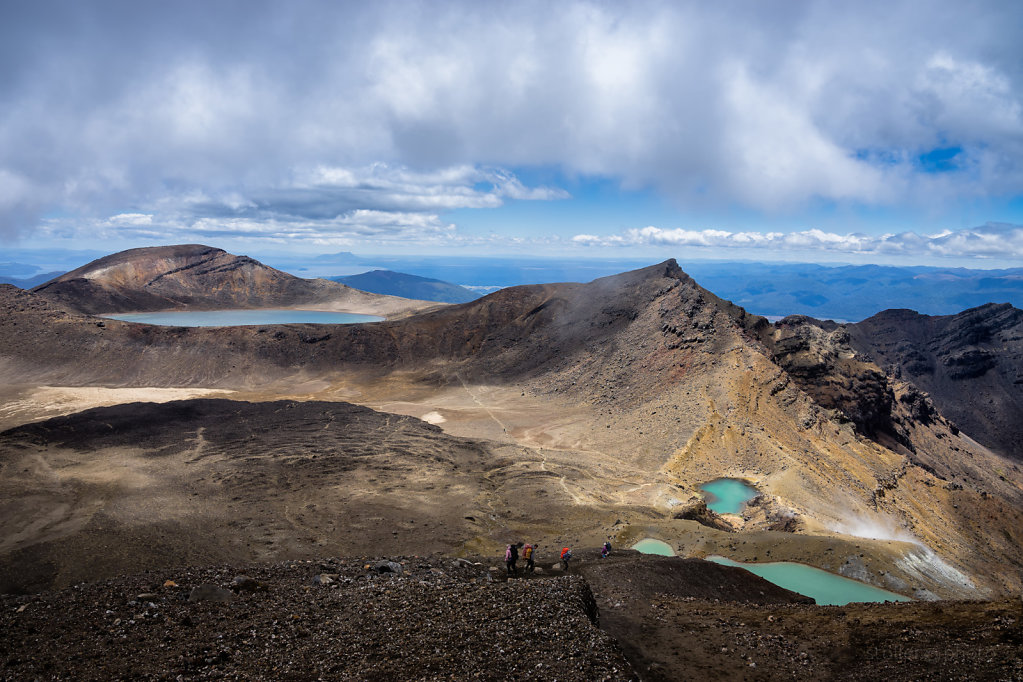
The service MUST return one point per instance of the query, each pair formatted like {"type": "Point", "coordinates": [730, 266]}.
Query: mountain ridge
{"type": "Point", "coordinates": [630, 390]}
{"type": "Point", "coordinates": [199, 277]}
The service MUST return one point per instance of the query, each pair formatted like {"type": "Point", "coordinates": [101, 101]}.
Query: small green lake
{"type": "Point", "coordinates": [727, 495]}
{"type": "Point", "coordinates": [237, 318]}
{"type": "Point", "coordinates": [652, 546]}
{"type": "Point", "coordinates": [826, 588]}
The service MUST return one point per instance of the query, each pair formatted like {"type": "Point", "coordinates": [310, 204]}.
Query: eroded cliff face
{"type": "Point", "coordinates": [970, 364]}
{"type": "Point", "coordinates": [818, 357]}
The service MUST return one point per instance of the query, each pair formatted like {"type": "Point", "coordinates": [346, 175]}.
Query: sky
{"type": "Point", "coordinates": [866, 132]}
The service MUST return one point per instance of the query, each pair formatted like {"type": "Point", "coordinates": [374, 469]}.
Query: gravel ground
{"type": "Point", "coordinates": [415, 618]}
{"type": "Point", "coordinates": [303, 620]}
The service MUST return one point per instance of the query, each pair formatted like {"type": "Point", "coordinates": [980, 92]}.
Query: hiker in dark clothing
{"type": "Point", "coordinates": [511, 557]}
{"type": "Point", "coordinates": [566, 554]}
{"type": "Point", "coordinates": [605, 551]}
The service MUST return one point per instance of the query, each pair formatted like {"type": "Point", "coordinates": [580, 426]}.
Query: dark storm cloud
{"type": "Point", "coordinates": [225, 110]}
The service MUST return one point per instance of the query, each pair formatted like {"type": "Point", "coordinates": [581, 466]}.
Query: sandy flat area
{"type": "Point", "coordinates": [22, 405]}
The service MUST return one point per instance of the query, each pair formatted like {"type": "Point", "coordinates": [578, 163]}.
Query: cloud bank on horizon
{"type": "Point", "coordinates": [405, 124]}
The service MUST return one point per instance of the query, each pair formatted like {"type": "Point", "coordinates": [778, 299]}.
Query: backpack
{"type": "Point", "coordinates": [566, 554]}
{"type": "Point", "coordinates": [527, 551]}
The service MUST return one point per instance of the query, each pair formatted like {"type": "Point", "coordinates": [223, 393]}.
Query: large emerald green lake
{"type": "Point", "coordinates": [826, 588]}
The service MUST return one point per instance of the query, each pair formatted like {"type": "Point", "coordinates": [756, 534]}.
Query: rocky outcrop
{"type": "Point", "coordinates": [818, 357]}
{"type": "Point", "coordinates": [970, 365]}
{"type": "Point", "coordinates": [695, 509]}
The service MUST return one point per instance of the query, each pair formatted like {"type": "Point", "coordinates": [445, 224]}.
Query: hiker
{"type": "Point", "coordinates": [511, 556]}
{"type": "Point", "coordinates": [566, 554]}
{"type": "Point", "coordinates": [527, 554]}
{"type": "Point", "coordinates": [605, 551]}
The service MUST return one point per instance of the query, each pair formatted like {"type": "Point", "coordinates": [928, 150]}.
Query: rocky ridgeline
{"type": "Point", "coordinates": [400, 618]}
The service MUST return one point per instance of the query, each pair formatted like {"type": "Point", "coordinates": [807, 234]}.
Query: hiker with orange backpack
{"type": "Point", "coordinates": [527, 554]}
{"type": "Point", "coordinates": [566, 554]}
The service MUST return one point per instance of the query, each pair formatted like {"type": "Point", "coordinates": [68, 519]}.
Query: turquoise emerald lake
{"type": "Point", "coordinates": [652, 546]}
{"type": "Point", "coordinates": [826, 588]}
{"type": "Point", "coordinates": [727, 495]}
{"type": "Point", "coordinates": [237, 318]}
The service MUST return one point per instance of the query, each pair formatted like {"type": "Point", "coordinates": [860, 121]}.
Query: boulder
{"type": "Point", "coordinates": [243, 583]}
{"type": "Point", "coordinates": [388, 567]}
{"type": "Point", "coordinates": [695, 509]}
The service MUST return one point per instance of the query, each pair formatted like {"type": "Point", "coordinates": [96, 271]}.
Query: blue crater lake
{"type": "Point", "coordinates": [826, 588]}
{"type": "Point", "coordinates": [652, 546]}
{"type": "Point", "coordinates": [237, 318]}
{"type": "Point", "coordinates": [727, 495]}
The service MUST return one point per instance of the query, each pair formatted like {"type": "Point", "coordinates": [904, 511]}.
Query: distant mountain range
{"type": "Point", "coordinates": [838, 292]}
{"type": "Point", "coordinates": [408, 286]}
{"type": "Point", "coordinates": [29, 282]}
{"type": "Point", "coordinates": [844, 293]}
{"type": "Point", "coordinates": [855, 292]}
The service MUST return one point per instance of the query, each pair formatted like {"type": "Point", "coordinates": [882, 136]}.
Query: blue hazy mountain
{"type": "Point", "coordinates": [29, 282]}
{"type": "Point", "coordinates": [838, 292]}
{"type": "Point", "coordinates": [408, 286]}
{"type": "Point", "coordinates": [855, 292]}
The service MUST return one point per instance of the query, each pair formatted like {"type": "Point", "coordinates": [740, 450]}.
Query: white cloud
{"type": "Point", "coordinates": [993, 240]}
{"type": "Point", "coordinates": [129, 220]}
{"type": "Point", "coordinates": [368, 205]}
{"type": "Point", "coordinates": [770, 106]}
{"type": "Point", "coordinates": [442, 189]}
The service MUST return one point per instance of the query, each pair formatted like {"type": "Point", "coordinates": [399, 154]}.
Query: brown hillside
{"type": "Point", "coordinates": [627, 392]}
{"type": "Point", "coordinates": [197, 277]}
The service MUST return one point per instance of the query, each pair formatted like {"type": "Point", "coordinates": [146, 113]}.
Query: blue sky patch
{"type": "Point", "coordinates": [941, 160]}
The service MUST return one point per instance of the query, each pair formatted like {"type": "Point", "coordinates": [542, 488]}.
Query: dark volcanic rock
{"type": "Point", "coordinates": [674, 619]}
{"type": "Point", "coordinates": [970, 364]}
{"type": "Point", "coordinates": [378, 627]}
{"type": "Point", "coordinates": [818, 357]}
